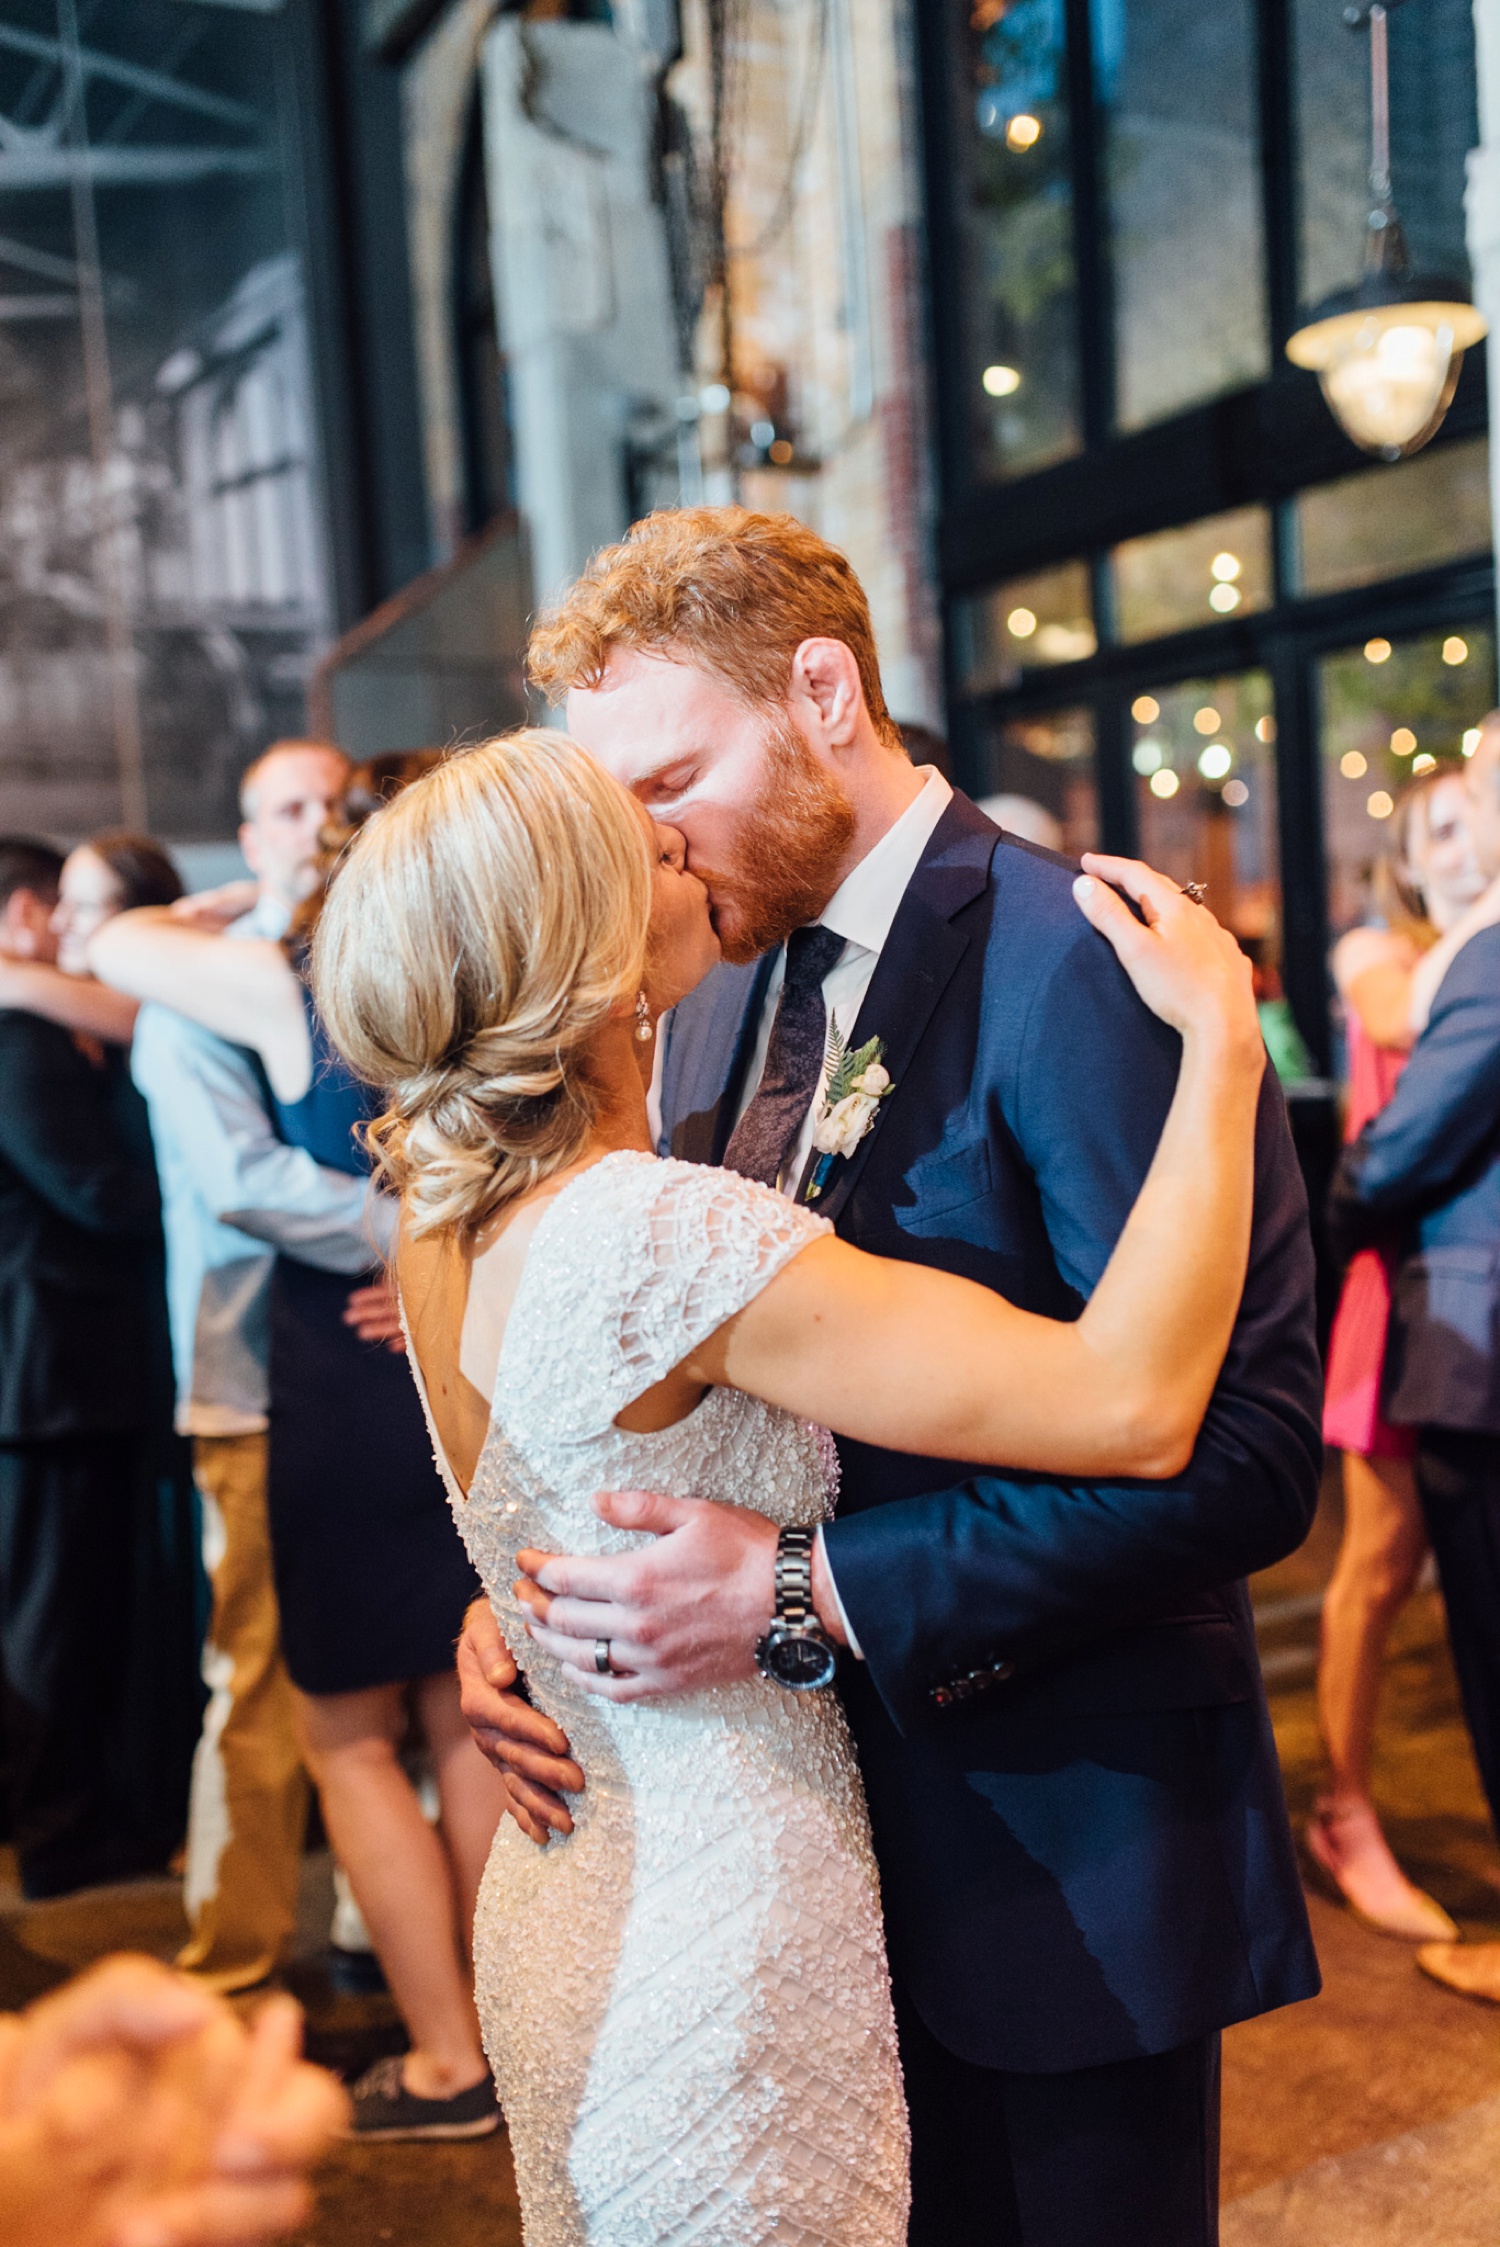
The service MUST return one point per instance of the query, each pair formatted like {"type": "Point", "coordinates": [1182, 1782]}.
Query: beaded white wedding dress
{"type": "Point", "coordinates": [685, 2002]}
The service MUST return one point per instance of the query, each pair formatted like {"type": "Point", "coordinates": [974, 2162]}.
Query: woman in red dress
{"type": "Point", "coordinates": [1425, 887]}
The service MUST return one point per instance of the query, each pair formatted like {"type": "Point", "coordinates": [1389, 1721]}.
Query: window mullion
{"type": "Point", "coordinates": [1096, 341]}
{"type": "Point", "coordinates": [1278, 160]}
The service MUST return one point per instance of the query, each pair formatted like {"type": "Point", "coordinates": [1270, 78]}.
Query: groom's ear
{"type": "Point", "coordinates": [825, 681]}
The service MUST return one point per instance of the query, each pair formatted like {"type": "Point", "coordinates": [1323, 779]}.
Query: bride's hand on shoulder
{"type": "Point", "coordinates": [1187, 968]}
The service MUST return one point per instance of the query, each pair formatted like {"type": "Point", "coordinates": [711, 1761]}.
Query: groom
{"type": "Point", "coordinates": [1085, 1860]}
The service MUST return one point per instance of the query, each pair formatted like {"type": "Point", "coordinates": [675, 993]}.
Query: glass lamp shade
{"type": "Point", "coordinates": [1388, 370]}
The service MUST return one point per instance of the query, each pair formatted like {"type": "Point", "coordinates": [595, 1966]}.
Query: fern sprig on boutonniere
{"type": "Point", "coordinates": [855, 1082]}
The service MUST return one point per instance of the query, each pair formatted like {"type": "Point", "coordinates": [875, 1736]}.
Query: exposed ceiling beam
{"type": "Point", "coordinates": [140, 80]}
{"type": "Point", "coordinates": [13, 308]}
{"type": "Point", "coordinates": [36, 168]}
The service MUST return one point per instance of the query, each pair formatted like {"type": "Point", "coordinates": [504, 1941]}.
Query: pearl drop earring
{"type": "Point", "coordinates": [642, 1018]}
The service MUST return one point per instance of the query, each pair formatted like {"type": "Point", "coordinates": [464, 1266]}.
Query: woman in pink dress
{"type": "Point", "coordinates": [1425, 887]}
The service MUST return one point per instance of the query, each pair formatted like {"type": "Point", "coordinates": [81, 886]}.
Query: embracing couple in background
{"type": "Point", "coordinates": [976, 1168]}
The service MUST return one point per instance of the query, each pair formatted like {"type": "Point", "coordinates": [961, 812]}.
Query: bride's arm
{"type": "Point", "coordinates": [919, 1361]}
{"type": "Point", "coordinates": [73, 1002]}
{"type": "Point", "coordinates": [243, 989]}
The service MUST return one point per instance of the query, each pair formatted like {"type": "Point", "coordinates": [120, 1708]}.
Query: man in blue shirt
{"type": "Point", "coordinates": [233, 1194]}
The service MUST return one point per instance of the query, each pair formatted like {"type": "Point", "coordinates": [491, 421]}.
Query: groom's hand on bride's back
{"type": "Point", "coordinates": [677, 1615]}
{"type": "Point", "coordinates": [528, 1750]}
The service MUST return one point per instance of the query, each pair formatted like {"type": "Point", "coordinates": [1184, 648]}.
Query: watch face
{"type": "Point", "coordinates": [800, 1661]}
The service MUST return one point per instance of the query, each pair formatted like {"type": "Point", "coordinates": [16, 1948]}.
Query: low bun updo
{"type": "Point", "coordinates": [480, 930]}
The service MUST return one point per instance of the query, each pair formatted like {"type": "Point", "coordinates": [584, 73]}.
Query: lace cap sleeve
{"type": "Point", "coordinates": [636, 1264]}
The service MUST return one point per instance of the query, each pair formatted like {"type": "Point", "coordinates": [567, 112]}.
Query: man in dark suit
{"type": "Point", "coordinates": [1085, 1861]}
{"type": "Point", "coordinates": [1425, 1174]}
{"type": "Point", "coordinates": [77, 1207]}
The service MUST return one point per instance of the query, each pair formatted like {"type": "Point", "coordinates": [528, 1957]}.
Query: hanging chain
{"type": "Point", "coordinates": [1380, 107]}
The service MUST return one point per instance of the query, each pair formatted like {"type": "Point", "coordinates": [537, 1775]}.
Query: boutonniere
{"type": "Point", "coordinates": [854, 1084]}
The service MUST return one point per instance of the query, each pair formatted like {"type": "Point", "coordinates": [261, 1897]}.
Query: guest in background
{"type": "Point", "coordinates": [1425, 882]}
{"type": "Point", "coordinates": [110, 873]}
{"type": "Point", "coordinates": [370, 1573]}
{"type": "Point", "coordinates": [79, 1225]}
{"type": "Point", "coordinates": [1426, 1171]}
{"type": "Point", "coordinates": [234, 1194]}
{"type": "Point", "coordinates": [160, 1699]}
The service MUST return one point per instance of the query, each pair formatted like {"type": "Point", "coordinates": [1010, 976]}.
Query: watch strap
{"type": "Point", "coordinates": [794, 1598]}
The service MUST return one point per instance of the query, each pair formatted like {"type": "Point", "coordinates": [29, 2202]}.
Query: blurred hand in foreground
{"type": "Point", "coordinates": [137, 2111]}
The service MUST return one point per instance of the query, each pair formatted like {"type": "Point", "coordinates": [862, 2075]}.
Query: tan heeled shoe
{"type": "Point", "coordinates": [1473, 1969]}
{"type": "Point", "coordinates": [1346, 1842]}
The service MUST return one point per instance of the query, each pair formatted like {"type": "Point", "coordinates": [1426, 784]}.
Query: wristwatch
{"type": "Point", "coordinates": [796, 1651]}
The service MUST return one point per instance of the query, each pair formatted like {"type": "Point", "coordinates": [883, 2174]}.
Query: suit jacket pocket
{"type": "Point", "coordinates": [940, 1184]}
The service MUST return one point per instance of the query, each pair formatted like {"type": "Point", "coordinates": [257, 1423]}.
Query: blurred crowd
{"type": "Point", "coordinates": [181, 1164]}
{"type": "Point", "coordinates": [1413, 1377]}
{"type": "Point", "coordinates": [228, 1573]}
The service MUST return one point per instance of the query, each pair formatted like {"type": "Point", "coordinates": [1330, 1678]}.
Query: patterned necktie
{"type": "Point", "coordinates": [767, 1131]}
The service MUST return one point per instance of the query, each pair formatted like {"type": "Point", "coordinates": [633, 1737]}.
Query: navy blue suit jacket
{"type": "Point", "coordinates": [1076, 1802]}
{"type": "Point", "coordinates": [1426, 1172]}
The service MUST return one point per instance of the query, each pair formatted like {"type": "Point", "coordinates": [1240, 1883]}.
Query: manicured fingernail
{"type": "Point", "coordinates": [1083, 887]}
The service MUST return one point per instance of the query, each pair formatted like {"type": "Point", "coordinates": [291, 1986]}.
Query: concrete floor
{"type": "Point", "coordinates": [1368, 2118]}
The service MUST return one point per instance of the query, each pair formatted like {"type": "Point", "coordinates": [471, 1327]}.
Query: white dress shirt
{"type": "Point", "coordinates": [232, 1194]}
{"type": "Point", "coordinates": [861, 911]}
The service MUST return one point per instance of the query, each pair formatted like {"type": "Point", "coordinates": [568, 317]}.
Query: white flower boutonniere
{"type": "Point", "coordinates": [854, 1085]}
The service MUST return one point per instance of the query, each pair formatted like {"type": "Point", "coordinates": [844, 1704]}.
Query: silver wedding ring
{"type": "Point", "coordinates": [1197, 891]}
{"type": "Point", "coordinates": [602, 1661]}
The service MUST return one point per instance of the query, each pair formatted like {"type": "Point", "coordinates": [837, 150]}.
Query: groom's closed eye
{"type": "Point", "coordinates": [668, 783]}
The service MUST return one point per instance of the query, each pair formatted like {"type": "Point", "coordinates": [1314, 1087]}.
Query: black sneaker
{"type": "Point", "coordinates": [384, 2108]}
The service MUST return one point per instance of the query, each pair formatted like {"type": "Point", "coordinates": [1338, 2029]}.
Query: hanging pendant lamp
{"type": "Point", "coordinates": [1388, 351]}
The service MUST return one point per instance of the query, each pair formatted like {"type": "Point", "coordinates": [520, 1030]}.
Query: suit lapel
{"type": "Point", "coordinates": [709, 1045]}
{"type": "Point", "coordinates": [913, 970]}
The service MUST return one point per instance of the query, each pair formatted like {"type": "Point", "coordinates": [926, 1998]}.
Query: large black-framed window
{"type": "Point", "coordinates": [1145, 508]}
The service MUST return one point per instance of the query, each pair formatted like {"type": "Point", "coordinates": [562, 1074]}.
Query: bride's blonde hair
{"type": "Point", "coordinates": [480, 930]}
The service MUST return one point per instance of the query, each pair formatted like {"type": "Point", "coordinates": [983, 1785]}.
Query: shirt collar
{"type": "Point", "coordinates": [267, 917]}
{"type": "Point", "coordinates": [865, 903]}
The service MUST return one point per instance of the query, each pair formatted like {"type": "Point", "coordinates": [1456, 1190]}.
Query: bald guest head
{"type": "Point", "coordinates": [287, 797]}
{"type": "Point", "coordinates": [1484, 797]}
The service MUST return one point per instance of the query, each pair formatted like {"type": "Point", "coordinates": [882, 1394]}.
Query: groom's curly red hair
{"type": "Point", "coordinates": [731, 591]}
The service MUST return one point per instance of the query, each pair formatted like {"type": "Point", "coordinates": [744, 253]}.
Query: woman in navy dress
{"type": "Point", "coordinates": [355, 1499]}
{"type": "Point", "coordinates": [371, 1575]}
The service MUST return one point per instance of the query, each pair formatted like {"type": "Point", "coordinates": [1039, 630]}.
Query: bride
{"type": "Point", "coordinates": [685, 2001]}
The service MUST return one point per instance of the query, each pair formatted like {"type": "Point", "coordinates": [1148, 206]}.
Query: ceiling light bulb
{"type": "Point", "coordinates": [1225, 566]}
{"type": "Point", "coordinates": [1352, 765]}
{"type": "Point", "coordinates": [1223, 598]}
{"type": "Point", "coordinates": [1379, 805]}
{"type": "Point", "coordinates": [1164, 783]}
{"type": "Point", "coordinates": [1020, 624]}
{"type": "Point", "coordinates": [1388, 371]}
{"type": "Point", "coordinates": [1455, 650]}
{"type": "Point", "coordinates": [1001, 382]}
{"type": "Point", "coordinates": [1403, 741]}
{"type": "Point", "coordinates": [1023, 132]}
{"type": "Point", "coordinates": [1377, 651]}
{"type": "Point", "coordinates": [1145, 709]}
{"type": "Point", "coordinates": [1206, 720]}
{"type": "Point", "coordinates": [1216, 760]}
